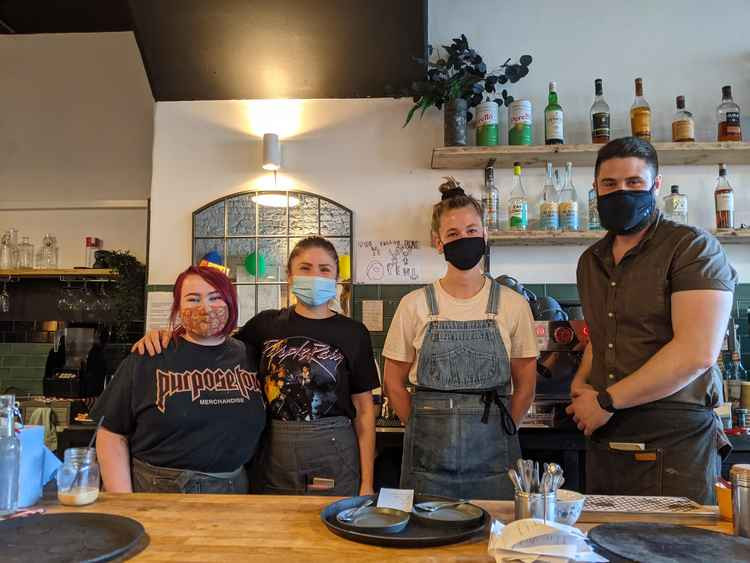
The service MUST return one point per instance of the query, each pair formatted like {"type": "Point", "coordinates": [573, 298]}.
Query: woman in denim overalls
{"type": "Point", "coordinates": [470, 395]}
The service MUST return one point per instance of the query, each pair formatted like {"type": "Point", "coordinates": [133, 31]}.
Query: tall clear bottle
{"type": "Point", "coordinates": [491, 201]}
{"type": "Point", "coordinates": [600, 123]}
{"type": "Point", "coordinates": [549, 219]}
{"type": "Point", "coordinates": [553, 119]}
{"type": "Point", "coordinates": [640, 114]}
{"type": "Point", "coordinates": [518, 206]}
{"type": "Point", "coordinates": [724, 200]}
{"type": "Point", "coordinates": [10, 456]}
{"type": "Point", "coordinates": [568, 207]}
{"type": "Point", "coordinates": [594, 223]}
{"type": "Point", "coordinates": [728, 115]}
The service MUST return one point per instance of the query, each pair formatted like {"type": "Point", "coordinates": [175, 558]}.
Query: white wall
{"type": "Point", "coordinates": [76, 125]}
{"type": "Point", "coordinates": [355, 151]}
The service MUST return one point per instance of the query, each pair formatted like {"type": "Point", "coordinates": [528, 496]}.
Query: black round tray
{"type": "Point", "coordinates": [73, 536]}
{"type": "Point", "coordinates": [416, 534]}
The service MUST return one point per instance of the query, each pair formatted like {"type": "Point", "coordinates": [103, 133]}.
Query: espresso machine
{"type": "Point", "coordinates": [75, 366]}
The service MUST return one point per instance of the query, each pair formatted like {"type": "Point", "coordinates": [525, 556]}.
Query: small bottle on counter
{"type": "Point", "coordinates": [676, 206]}
{"type": "Point", "coordinates": [568, 207]}
{"type": "Point", "coordinates": [683, 125]}
{"type": "Point", "coordinates": [724, 200]}
{"type": "Point", "coordinates": [549, 219]}
{"type": "Point", "coordinates": [728, 115]}
{"type": "Point", "coordinates": [518, 206]}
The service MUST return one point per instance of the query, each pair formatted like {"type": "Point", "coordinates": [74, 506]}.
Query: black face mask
{"type": "Point", "coordinates": [625, 212]}
{"type": "Point", "coordinates": [465, 253]}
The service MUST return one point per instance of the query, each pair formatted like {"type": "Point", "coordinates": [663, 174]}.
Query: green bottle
{"type": "Point", "coordinates": [553, 119]}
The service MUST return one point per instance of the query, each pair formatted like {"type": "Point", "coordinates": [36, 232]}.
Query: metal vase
{"type": "Point", "coordinates": [454, 117]}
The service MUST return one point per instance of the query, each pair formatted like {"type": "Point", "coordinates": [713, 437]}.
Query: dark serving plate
{"type": "Point", "coordinates": [415, 534]}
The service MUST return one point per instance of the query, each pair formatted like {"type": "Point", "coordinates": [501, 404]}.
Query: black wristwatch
{"type": "Point", "coordinates": [605, 401]}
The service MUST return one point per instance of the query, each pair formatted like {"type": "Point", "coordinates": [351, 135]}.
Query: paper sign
{"type": "Point", "coordinates": [397, 261]}
{"type": "Point", "coordinates": [372, 315]}
{"type": "Point", "coordinates": [399, 499]}
{"type": "Point", "coordinates": [158, 310]}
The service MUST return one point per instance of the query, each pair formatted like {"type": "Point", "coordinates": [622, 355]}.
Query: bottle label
{"type": "Point", "coordinates": [568, 211]}
{"type": "Point", "coordinates": [725, 201]}
{"type": "Point", "coordinates": [683, 130]}
{"type": "Point", "coordinates": [519, 214]}
{"type": "Point", "coordinates": [640, 122]}
{"type": "Point", "coordinates": [548, 217]}
{"type": "Point", "coordinates": [553, 124]}
{"type": "Point", "coordinates": [600, 124]}
{"type": "Point", "coordinates": [519, 123]}
{"type": "Point", "coordinates": [733, 118]}
{"type": "Point", "coordinates": [490, 204]}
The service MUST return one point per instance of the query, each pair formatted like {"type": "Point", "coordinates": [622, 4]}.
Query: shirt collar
{"type": "Point", "coordinates": [603, 248]}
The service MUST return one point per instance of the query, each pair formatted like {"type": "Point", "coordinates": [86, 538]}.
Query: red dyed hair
{"type": "Point", "coordinates": [220, 283]}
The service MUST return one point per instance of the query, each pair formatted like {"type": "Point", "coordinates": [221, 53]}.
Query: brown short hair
{"type": "Point", "coordinates": [313, 242]}
{"type": "Point", "coordinates": [626, 147]}
{"type": "Point", "coordinates": [454, 197]}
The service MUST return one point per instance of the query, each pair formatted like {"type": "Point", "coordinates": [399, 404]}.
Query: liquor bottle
{"type": "Point", "coordinates": [676, 206]}
{"type": "Point", "coordinates": [518, 206]}
{"type": "Point", "coordinates": [724, 198]}
{"type": "Point", "coordinates": [594, 223]}
{"type": "Point", "coordinates": [728, 114]}
{"type": "Point", "coordinates": [491, 201]}
{"type": "Point", "coordinates": [568, 206]}
{"type": "Point", "coordinates": [548, 217]}
{"type": "Point", "coordinates": [683, 125]}
{"type": "Point", "coordinates": [553, 119]}
{"type": "Point", "coordinates": [640, 114]}
{"type": "Point", "coordinates": [600, 128]}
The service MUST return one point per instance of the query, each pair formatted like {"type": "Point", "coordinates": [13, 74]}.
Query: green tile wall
{"type": "Point", "coordinates": [392, 294]}
{"type": "Point", "coordinates": [22, 366]}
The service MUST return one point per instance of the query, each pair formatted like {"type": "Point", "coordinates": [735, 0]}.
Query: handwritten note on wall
{"type": "Point", "coordinates": [397, 261]}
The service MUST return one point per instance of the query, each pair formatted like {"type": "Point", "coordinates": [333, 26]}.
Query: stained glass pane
{"type": "Point", "coordinates": [303, 218]}
{"type": "Point", "coordinates": [271, 296]}
{"type": "Point", "coordinates": [246, 303]}
{"type": "Point", "coordinates": [210, 221]}
{"type": "Point", "coordinates": [334, 220]}
{"type": "Point", "coordinates": [238, 250]}
{"type": "Point", "coordinates": [201, 247]}
{"type": "Point", "coordinates": [241, 215]}
{"type": "Point", "coordinates": [272, 220]}
{"type": "Point", "coordinates": [272, 257]}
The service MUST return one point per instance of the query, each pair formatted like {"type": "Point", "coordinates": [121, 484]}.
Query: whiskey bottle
{"type": "Point", "coordinates": [640, 114]}
{"type": "Point", "coordinates": [553, 119]}
{"type": "Point", "coordinates": [683, 125]}
{"type": "Point", "coordinates": [724, 198]}
{"type": "Point", "coordinates": [728, 114]}
{"type": "Point", "coordinates": [600, 128]}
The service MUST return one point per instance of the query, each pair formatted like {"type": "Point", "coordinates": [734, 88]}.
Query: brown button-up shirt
{"type": "Point", "coordinates": [628, 305]}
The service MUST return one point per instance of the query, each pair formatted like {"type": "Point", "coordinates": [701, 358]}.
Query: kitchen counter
{"type": "Point", "coordinates": [267, 528]}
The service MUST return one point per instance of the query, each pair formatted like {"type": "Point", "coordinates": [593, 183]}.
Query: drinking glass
{"type": "Point", "coordinates": [4, 299]}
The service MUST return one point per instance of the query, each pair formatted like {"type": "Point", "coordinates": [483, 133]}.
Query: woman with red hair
{"type": "Point", "coordinates": [187, 420]}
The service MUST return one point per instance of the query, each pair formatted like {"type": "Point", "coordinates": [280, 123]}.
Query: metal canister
{"type": "Point", "coordinates": [740, 477]}
{"type": "Point", "coordinates": [487, 124]}
{"type": "Point", "coordinates": [741, 418]}
{"type": "Point", "coordinates": [519, 122]}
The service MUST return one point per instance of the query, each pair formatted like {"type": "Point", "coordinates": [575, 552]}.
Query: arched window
{"type": "Point", "coordinates": [254, 232]}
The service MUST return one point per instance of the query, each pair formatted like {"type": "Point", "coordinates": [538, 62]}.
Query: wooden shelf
{"type": "Point", "coordinates": [62, 272]}
{"type": "Point", "coordinates": [585, 238]}
{"type": "Point", "coordinates": [584, 155]}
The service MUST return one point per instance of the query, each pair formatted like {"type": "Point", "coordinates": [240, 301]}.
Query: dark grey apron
{"type": "Point", "coordinates": [681, 456]}
{"type": "Point", "coordinates": [455, 443]}
{"type": "Point", "coordinates": [319, 457]}
{"type": "Point", "coordinates": [149, 478]}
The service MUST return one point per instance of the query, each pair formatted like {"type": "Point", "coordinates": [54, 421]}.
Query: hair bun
{"type": "Point", "coordinates": [451, 188]}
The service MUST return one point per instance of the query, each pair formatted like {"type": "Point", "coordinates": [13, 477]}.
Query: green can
{"type": "Point", "coordinates": [519, 122]}
{"type": "Point", "coordinates": [487, 124]}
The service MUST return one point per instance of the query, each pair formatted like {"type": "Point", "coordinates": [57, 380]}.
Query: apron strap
{"type": "Point", "coordinates": [489, 397]}
{"type": "Point", "coordinates": [493, 302]}
{"type": "Point", "coordinates": [431, 297]}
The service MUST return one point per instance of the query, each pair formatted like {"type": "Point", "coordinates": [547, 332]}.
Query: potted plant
{"type": "Point", "coordinates": [458, 82]}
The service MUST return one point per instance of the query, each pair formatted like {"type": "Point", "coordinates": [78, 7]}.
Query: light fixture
{"type": "Point", "coordinates": [271, 152]}
{"type": "Point", "coordinates": [275, 200]}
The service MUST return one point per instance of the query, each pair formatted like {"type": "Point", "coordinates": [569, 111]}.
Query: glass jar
{"type": "Point", "coordinates": [10, 456]}
{"type": "Point", "coordinates": [78, 478]}
{"type": "Point", "coordinates": [26, 254]}
{"type": "Point", "coordinates": [46, 256]}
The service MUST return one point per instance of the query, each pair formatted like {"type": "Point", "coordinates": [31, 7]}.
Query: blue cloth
{"type": "Point", "coordinates": [38, 465]}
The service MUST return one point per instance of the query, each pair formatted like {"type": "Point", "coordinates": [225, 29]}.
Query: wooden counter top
{"type": "Point", "coordinates": [266, 528]}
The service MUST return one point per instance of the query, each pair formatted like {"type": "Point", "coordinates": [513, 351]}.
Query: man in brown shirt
{"type": "Point", "coordinates": [657, 297]}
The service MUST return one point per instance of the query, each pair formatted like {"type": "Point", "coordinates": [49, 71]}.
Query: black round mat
{"type": "Point", "coordinates": [69, 537]}
{"type": "Point", "coordinates": [669, 543]}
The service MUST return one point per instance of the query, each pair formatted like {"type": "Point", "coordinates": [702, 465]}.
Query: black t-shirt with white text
{"type": "Point", "coordinates": [192, 407]}
{"type": "Point", "coordinates": [310, 367]}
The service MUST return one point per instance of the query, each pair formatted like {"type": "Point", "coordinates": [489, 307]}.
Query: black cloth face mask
{"type": "Point", "coordinates": [465, 253]}
{"type": "Point", "coordinates": [625, 212]}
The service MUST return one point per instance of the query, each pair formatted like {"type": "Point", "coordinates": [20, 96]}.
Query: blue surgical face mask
{"type": "Point", "coordinates": [314, 290]}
